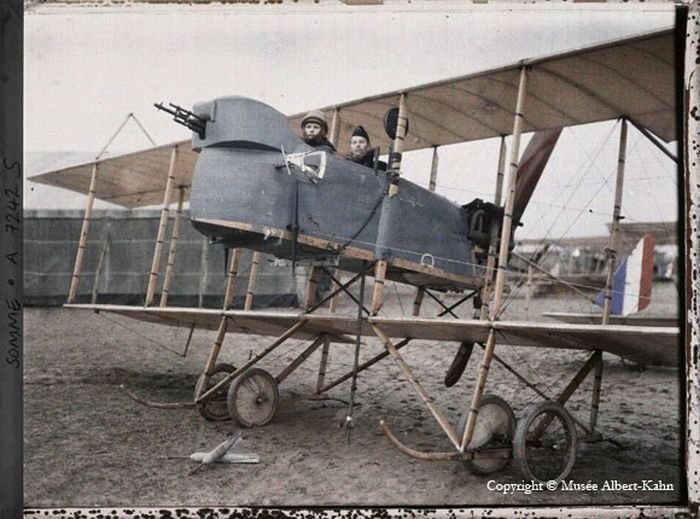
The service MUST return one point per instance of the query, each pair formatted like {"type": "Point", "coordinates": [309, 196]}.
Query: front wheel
{"type": "Point", "coordinates": [253, 398]}
{"type": "Point", "coordinates": [545, 442]}
{"type": "Point", "coordinates": [495, 426]}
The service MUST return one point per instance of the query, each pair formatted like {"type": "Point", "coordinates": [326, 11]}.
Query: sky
{"type": "Point", "coordinates": [86, 68]}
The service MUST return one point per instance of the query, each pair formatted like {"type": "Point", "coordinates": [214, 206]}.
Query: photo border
{"type": "Point", "coordinates": [11, 491]}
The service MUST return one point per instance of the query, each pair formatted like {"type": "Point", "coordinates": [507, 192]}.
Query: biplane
{"type": "Point", "coordinates": [252, 182]}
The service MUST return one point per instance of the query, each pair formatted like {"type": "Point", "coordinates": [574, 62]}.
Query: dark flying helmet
{"type": "Point", "coordinates": [360, 132]}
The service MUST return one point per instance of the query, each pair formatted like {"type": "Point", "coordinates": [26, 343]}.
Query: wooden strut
{"type": "Point", "coordinates": [500, 281]}
{"type": "Point", "coordinates": [533, 386]}
{"type": "Point", "coordinates": [335, 128]}
{"type": "Point", "coordinates": [321, 339]}
{"type": "Point", "coordinates": [213, 356]}
{"type": "Point", "coordinates": [204, 272]}
{"type": "Point", "coordinates": [223, 327]}
{"type": "Point", "coordinates": [323, 364]}
{"type": "Point", "coordinates": [170, 269]}
{"type": "Point", "coordinates": [420, 291]}
{"type": "Point", "coordinates": [286, 335]}
{"type": "Point", "coordinates": [378, 293]}
{"type": "Point", "coordinates": [569, 390]}
{"type": "Point", "coordinates": [528, 293]}
{"type": "Point", "coordinates": [441, 420]}
{"type": "Point", "coordinates": [82, 243]}
{"type": "Point", "coordinates": [231, 277]}
{"type": "Point", "coordinates": [418, 301]}
{"type": "Point", "coordinates": [597, 383]}
{"type": "Point", "coordinates": [502, 262]}
{"type": "Point", "coordinates": [419, 455]}
{"type": "Point", "coordinates": [252, 281]}
{"type": "Point", "coordinates": [155, 266]}
{"type": "Point", "coordinates": [504, 453]}
{"type": "Point", "coordinates": [333, 303]}
{"type": "Point", "coordinates": [189, 339]}
{"type": "Point", "coordinates": [594, 361]}
{"type": "Point", "coordinates": [615, 230]}
{"type": "Point", "coordinates": [362, 367]}
{"type": "Point", "coordinates": [334, 135]}
{"type": "Point", "coordinates": [394, 173]}
{"type": "Point", "coordinates": [155, 405]}
{"type": "Point", "coordinates": [311, 287]}
{"type": "Point", "coordinates": [491, 258]}
{"type": "Point", "coordinates": [100, 265]}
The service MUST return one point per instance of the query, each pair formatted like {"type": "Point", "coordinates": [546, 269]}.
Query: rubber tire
{"type": "Point", "coordinates": [206, 408]}
{"type": "Point", "coordinates": [237, 415]}
{"type": "Point", "coordinates": [489, 466]}
{"type": "Point", "coordinates": [520, 444]}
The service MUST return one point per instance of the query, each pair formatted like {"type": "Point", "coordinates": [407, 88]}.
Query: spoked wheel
{"type": "Point", "coordinates": [253, 398]}
{"type": "Point", "coordinates": [214, 408]}
{"type": "Point", "coordinates": [495, 427]}
{"type": "Point", "coordinates": [545, 442]}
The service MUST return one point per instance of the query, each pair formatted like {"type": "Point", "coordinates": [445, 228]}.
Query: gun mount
{"type": "Point", "coordinates": [186, 118]}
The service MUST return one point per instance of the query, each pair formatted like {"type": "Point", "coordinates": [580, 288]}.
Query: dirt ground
{"type": "Point", "coordinates": [87, 444]}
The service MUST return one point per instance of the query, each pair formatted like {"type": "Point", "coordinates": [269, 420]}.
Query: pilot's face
{"type": "Point", "coordinates": [312, 131]}
{"type": "Point", "coordinates": [358, 146]}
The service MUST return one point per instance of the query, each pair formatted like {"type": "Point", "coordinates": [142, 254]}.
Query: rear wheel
{"type": "Point", "coordinates": [495, 427]}
{"type": "Point", "coordinates": [545, 442]}
{"type": "Point", "coordinates": [214, 408]}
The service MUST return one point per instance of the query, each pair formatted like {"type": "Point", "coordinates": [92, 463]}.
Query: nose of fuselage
{"type": "Point", "coordinates": [237, 121]}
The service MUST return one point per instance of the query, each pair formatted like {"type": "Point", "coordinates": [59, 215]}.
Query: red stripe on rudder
{"type": "Point", "coordinates": [532, 164]}
{"type": "Point", "coordinates": [647, 271]}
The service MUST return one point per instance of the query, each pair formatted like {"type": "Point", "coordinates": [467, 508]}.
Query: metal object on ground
{"type": "Point", "coordinates": [230, 457]}
{"type": "Point", "coordinates": [545, 442]}
{"type": "Point", "coordinates": [218, 452]}
{"type": "Point", "coordinates": [253, 398]}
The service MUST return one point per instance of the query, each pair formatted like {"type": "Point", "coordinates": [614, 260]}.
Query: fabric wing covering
{"type": "Point", "coordinates": [641, 344]}
{"type": "Point", "coordinates": [633, 77]}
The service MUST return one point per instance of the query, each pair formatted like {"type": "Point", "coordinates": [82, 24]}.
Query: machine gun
{"type": "Point", "coordinates": [185, 117]}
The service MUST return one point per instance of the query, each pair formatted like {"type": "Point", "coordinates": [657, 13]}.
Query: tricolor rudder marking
{"type": "Point", "coordinates": [631, 289]}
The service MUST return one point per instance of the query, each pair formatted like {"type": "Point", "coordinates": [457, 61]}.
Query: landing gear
{"type": "Point", "coordinates": [495, 427]}
{"type": "Point", "coordinates": [545, 442]}
{"type": "Point", "coordinates": [253, 398]}
{"type": "Point", "coordinates": [214, 408]}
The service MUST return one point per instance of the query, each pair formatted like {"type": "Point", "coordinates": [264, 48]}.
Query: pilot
{"type": "Point", "coordinates": [315, 130]}
{"type": "Point", "coordinates": [359, 149]}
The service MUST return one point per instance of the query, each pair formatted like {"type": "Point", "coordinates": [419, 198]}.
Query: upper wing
{"type": "Point", "coordinates": [642, 344]}
{"type": "Point", "coordinates": [132, 180]}
{"type": "Point", "coordinates": [633, 77]}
